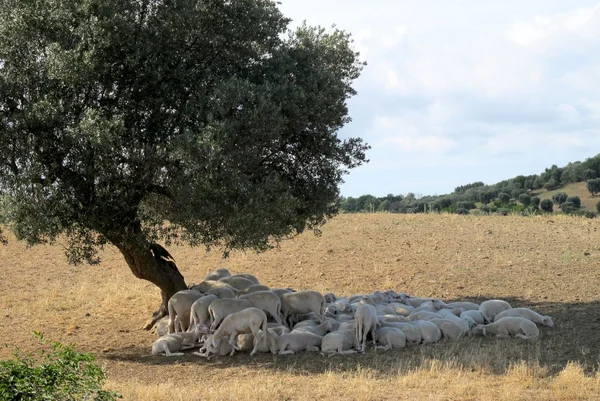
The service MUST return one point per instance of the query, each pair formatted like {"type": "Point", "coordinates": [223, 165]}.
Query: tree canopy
{"type": "Point", "coordinates": [206, 122]}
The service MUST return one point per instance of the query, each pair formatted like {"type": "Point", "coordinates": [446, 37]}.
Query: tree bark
{"type": "Point", "coordinates": [153, 263]}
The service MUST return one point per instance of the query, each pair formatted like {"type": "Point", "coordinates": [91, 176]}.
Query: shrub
{"type": "Point", "coordinates": [568, 207]}
{"type": "Point", "coordinates": [589, 215]}
{"type": "Point", "coordinates": [575, 200]}
{"type": "Point", "coordinates": [546, 205]}
{"type": "Point", "coordinates": [503, 197]}
{"type": "Point", "coordinates": [486, 209]}
{"type": "Point", "coordinates": [60, 373]}
{"type": "Point", "coordinates": [465, 205]}
{"type": "Point", "coordinates": [589, 174]}
{"type": "Point", "coordinates": [503, 211]}
{"type": "Point", "coordinates": [525, 199]}
{"type": "Point", "coordinates": [535, 201]}
{"type": "Point", "coordinates": [598, 207]}
{"type": "Point", "coordinates": [593, 186]}
{"type": "Point", "coordinates": [551, 184]}
{"type": "Point", "coordinates": [559, 198]}
{"type": "Point", "coordinates": [462, 211]}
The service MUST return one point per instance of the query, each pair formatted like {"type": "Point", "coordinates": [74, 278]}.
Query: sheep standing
{"type": "Point", "coordinates": [218, 274]}
{"type": "Point", "coordinates": [295, 303]}
{"type": "Point", "coordinates": [199, 315]}
{"type": "Point", "coordinates": [250, 320]}
{"type": "Point", "coordinates": [365, 321]}
{"type": "Point", "coordinates": [267, 301]}
{"type": "Point", "coordinates": [238, 282]}
{"type": "Point", "coordinates": [179, 306]}
{"type": "Point", "coordinates": [220, 308]}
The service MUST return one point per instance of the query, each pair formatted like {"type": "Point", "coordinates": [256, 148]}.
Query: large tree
{"type": "Point", "coordinates": [134, 122]}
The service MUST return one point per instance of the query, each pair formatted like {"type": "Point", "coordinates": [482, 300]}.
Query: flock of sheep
{"type": "Point", "coordinates": [227, 313]}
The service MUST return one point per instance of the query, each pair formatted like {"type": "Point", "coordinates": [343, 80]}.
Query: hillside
{"type": "Point", "coordinates": [576, 189]}
{"type": "Point", "coordinates": [551, 264]}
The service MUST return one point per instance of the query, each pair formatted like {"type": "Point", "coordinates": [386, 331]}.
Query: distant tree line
{"type": "Point", "coordinates": [504, 197]}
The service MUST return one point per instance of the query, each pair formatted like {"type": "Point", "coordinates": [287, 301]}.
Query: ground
{"type": "Point", "coordinates": [548, 263]}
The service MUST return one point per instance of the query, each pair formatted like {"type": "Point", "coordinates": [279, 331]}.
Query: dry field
{"type": "Point", "coordinates": [551, 264]}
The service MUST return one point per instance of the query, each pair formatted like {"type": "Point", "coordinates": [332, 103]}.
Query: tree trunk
{"type": "Point", "coordinates": [153, 263]}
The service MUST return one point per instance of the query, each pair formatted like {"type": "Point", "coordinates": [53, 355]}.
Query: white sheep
{"type": "Point", "coordinates": [250, 320]}
{"type": "Point", "coordinates": [430, 333]}
{"type": "Point", "coordinates": [449, 328]}
{"type": "Point", "coordinates": [385, 310]}
{"type": "Point", "coordinates": [295, 342]}
{"type": "Point", "coordinates": [222, 349]}
{"type": "Point", "coordinates": [218, 274]}
{"type": "Point", "coordinates": [365, 321]}
{"type": "Point", "coordinates": [465, 324]}
{"type": "Point", "coordinates": [463, 305]}
{"type": "Point", "coordinates": [319, 330]}
{"type": "Point", "coordinates": [295, 303]}
{"type": "Point", "coordinates": [207, 285]}
{"type": "Point", "coordinates": [415, 302]}
{"type": "Point", "coordinates": [246, 342]}
{"type": "Point", "coordinates": [199, 315]}
{"type": "Point", "coordinates": [412, 333]}
{"type": "Point", "coordinates": [248, 276]}
{"type": "Point", "coordinates": [330, 297]}
{"type": "Point", "coordinates": [510, 326]}
{"type": "Point", "coordinates": [171, 344]}
{"type": "Point", "coordinates": [477, 316]}
{"type": "Point", "coordinates": [179, 306]}
{"type": "Point", "coordinates": [222, 292]}
{"type": "Point", "coordinates": [253, 288]}
{"type": "Point", "coordinates": [401, 309]}
{"type": "Point", "coordinates": [220, 308]}
{"type": "Point", "coordinates": [339, 342]}
{"type": "Point", "coordinates": [492, 307]}
{"type": "Point", "coordinates": [423, 315]}
{"type": "Point", "coordinates": [267, 301]}
{"type": "Point", "coordinates": [392, 318]}
{"type": "Point", "coordinates": [237, 282]}
{"type": "Point", "coordinates": [527, 314]}
{"type": "Point", "coordinates": [390, 337]}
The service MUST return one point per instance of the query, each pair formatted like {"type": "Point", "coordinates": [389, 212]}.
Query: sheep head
{"type": "Point", "coordinates": [547, 320]}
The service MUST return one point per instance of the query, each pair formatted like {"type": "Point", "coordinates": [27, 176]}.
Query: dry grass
{"type": "Point", "coordinates": [548, 263]}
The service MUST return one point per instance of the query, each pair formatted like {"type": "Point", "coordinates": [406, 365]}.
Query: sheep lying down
{"type": "Point", "coordinates": [172, 344]}
{"type": "Point", "coordinates": [295, 342]}
{"type": "Point", "coordinates": [339, 342]}
{"type": "Point", "coordinates": [510, 327]}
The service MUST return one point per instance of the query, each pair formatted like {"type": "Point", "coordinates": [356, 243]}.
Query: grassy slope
{"type": "Point", "coordinates": [549, 263]}
{"type": "Point", "coordinates": [576, 189]}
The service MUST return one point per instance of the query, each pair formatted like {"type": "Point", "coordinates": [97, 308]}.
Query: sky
{"type": "Point", "coordinates": [462, 91]}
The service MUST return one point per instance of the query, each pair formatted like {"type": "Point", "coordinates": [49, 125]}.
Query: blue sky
{"type": "Point", "coordinates": [462, 91]}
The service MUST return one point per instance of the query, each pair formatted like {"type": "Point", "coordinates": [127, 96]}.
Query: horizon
{"type": "Point", "coordinates": [516, 97]}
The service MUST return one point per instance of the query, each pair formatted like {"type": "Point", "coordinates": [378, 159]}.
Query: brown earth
{"type": "Point", "coordinates": [551, 264]}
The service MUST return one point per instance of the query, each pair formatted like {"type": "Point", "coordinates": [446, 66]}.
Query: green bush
{"type": "Point", "coordinates": [589, 215]}
{"type": "Point", "coordinates": [462, 211]}
{"type": "Point", "coordinates": [535, 201]}
{"type": "Point", "coordinates": [503, 211]}
{"type": "Point", "coordinates": [559, 198]}
{"type": "Point", "coordinates": [485, 209]}
{"type": "Point", "coordinates": [575, 200]}
{"type": "Point", "coordinates": [59, 373]}
{"type": "Point", "coordinates": [525, 199]}
{"type": "Point", "coordinates": [568, 207]}
{"type": "Point", "coordinates": [504, 197]}
{"type": "Point", "coordinates": [546, 205]}
{"type": "Point", "coordinates": [465, 205]}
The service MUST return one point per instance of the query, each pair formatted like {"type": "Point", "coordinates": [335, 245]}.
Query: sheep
{"type": "Point", "coordinates": [199, 315]}
{"type": "Point", "coordinates": [389, 337]}
{"type": "Point", "coordinates": [277, 328]}
{"type": "Point", "coordinates": [302, 302]}
{"type": "Point", "coordinates": [492, 307]}
{"type": "Point", "coordinates": [253, 288]}
{"type": "Point", "coordinates": [430, 333]}
{"type": "Point", "coordinates": [222, 349]}
{"type": "Point", "coordinates": [412, 333]}
{"type": "Point", "coordinates": [527, 314]}
{"type": "Point", "coordinates": [427, 306]}
{"type": "Point", "coordinates": [344, 318]}
{"type": "Point", "coordinates": [339, 342]}
{"type": "Point", "coordinates": [424, 315]}
{"type": "Point", "coordinates": [237, 282]}
{"type": "Point", "coordinates": [207, 285]}
{"type": "Point", "coordinates": [330, 297]}
{"type": "Point", "coordinates": [401, 309]}
{"type": "Point", "coordinates": [319, 330]}
{"type": "Point", "coordinates": [365, 322]}
{"type": "Point", "coordinates": [246, 341]}
{"type": "Point", "coordinates": [477, 316]}
{"type": "Point", "coordinates": [465, 324]}
{"type": "Point", "coordinates": [267, 301]}
{"type": "Point", "coordinates": [280, 291]}
{"type": "Point", "coordinates": [416, 302]}
{"type": "Point", "coordinates": [220, 308]}
{"type": "Point", "coordinates": [392, 318]}
{"type": "Point", "coordinates": [366, 299]}
{"type": "Point", "coordinates": [179, 308]}
{"type": "Point", "coordinates": [295, 342]}
{"type": "Point", "coordinates": [222, 292]}
{"type": "Point", "coordinates": [344, 306]}
{"type": "Point", "coordinates": [510, 326]}
{"type": "Point", "coordinates": [218, 274]}
{"type": "Point", "coordinates": [247, 320]}
{"type": "Point", "coordinates": [248, 276]}
{"type": "Point", "coordinates": [463, 305]}
{"type": "Point", "coordinates": [385, 310]}
{"type": "Point", "coordinates": [449, 328]}
{"type": "Point", "coordinates": [171, 344]}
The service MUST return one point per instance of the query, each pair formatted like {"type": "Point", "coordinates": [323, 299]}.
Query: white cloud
{"type": "Point", "coordinates": [568, 113]}
{"type": "Point", "coordinates": [426, 144]}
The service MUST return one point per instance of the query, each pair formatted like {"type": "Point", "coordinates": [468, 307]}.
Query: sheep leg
{"type": "Point", "coordinates": [348, 352]}
{"type": "Point", "coordinates": [232, 338]}
{"type": "Point", "coordinates": [383, 347]}
{"type": "Point", "coordinates": [287, 352]}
